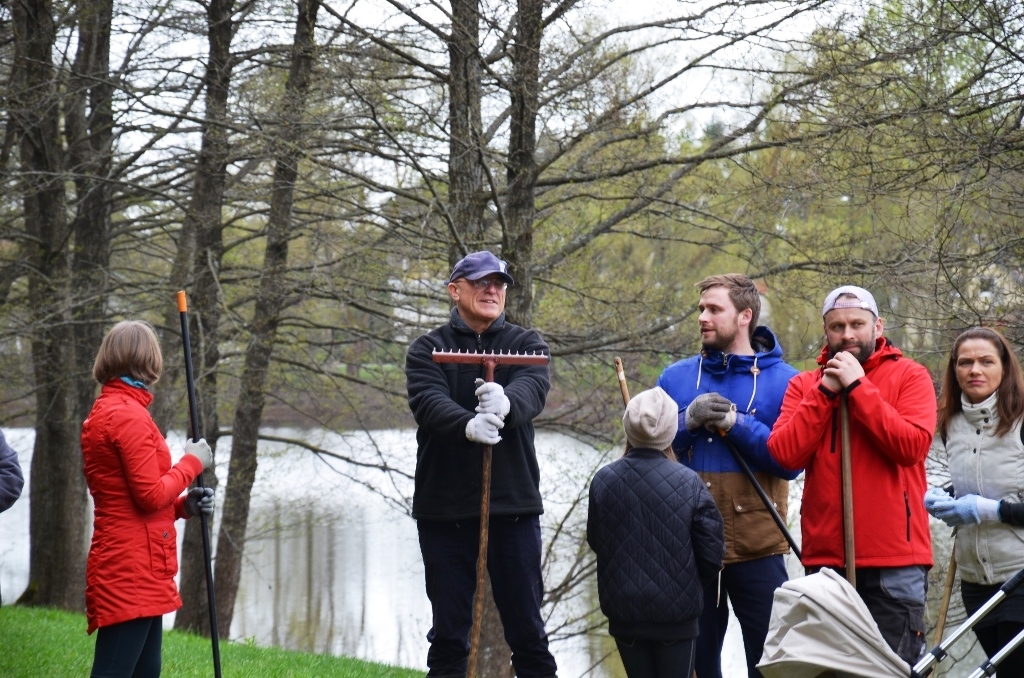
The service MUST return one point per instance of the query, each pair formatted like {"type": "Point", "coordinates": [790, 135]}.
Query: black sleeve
{"type": "Point", "coordinates": [594, 519]}
{"type": "Point", "coordinates": [1011, 513]}
{"type": "Point", "coordinates": [11, 479]}
{"type": "Point", "coordinates": [430, 397]}
{"type": "Point", "coordinates": [528, 385]}
{"type": "Point", "coordinates": [707, 535]}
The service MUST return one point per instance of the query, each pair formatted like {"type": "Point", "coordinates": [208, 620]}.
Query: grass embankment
{"type": "Point", "coordinates": [53, 644]}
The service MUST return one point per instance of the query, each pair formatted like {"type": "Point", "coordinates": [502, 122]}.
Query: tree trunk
{"type": "Point", "coordinates": [466, 197]}
{"type": "Point", "coordinates": [58, 520]}
{"type": "Point", "coordinates": [466, 202]}
{"type": "Point", "coordinates": [271, 300]}
{"type": "Point", "coordinates": [517, 240]}
{"type": "Point", "coordinates": [89, 122]}
{"type": "Point", "coordinates": [495, 658]}
{"type": "Point", "coordinates": [203, 218]}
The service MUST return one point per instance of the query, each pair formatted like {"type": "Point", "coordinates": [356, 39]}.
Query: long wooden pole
{"type": "Point", "coordinates": [193, 411]}
{"type": "Point", "coordinates": [940, 624]}
{"type": "Point", "coordinates": [481, 555]}
{"type": "Point", "coordinates": [621, 372]}
{"type": "Point", "coordinates": [849, 551]}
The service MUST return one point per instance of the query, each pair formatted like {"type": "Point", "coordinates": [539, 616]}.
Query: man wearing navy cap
{"type": "Point", "coordinates": [891, 404]}
{"type": "Point", "coordinates": [456, 414]}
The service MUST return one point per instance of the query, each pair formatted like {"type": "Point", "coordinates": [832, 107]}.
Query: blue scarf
{"type": "Point", "coordinates": [133, 382]}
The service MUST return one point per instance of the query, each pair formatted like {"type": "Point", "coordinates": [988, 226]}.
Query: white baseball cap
{"type": "Point", "coordinates": [863, 299]}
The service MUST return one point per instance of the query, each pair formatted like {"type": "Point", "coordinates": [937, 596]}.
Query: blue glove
{"type": "Point", "coordinates": [199, 499]}
{"type": "Point", "coordinates": [933, 497]}
{"type": "Point", "coordinates": [969, 509]}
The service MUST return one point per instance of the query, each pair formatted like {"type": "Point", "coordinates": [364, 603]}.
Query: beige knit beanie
{"type": "Point", "coordinates": [651, 419]}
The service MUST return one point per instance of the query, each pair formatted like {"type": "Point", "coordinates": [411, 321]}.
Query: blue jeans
{"type": "Point", "coordinates": [657, 658]}
{"type": "Point", "coordinates": [751, 586]}
{"type": "Point", "coordinates": [130, 649]}
{"type": "Point", "coordinates": [449, 552]}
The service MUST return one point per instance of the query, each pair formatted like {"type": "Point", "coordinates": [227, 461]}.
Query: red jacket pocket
{"type": "Point", "coordinates": [163, 548]}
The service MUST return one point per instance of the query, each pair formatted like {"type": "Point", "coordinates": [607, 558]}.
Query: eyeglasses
{"type": "Point", "coordinates": [483, 283]}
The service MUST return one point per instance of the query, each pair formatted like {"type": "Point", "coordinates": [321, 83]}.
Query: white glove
{"type": "Point", "coordinates": [200, 449]}
{"type": "Point", "coordinates": [492, 398]}
{"type": "Point", "coordinates": [483, 428]}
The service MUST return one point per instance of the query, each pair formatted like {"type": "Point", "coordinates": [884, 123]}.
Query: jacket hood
{"type": "Point", "coordinates": [767, 351]}
{"type": "Point", "coordinates": [884, 350]}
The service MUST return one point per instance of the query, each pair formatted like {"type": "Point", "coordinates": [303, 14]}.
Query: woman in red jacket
{"type": "Point", "coordinates": [137, 495]}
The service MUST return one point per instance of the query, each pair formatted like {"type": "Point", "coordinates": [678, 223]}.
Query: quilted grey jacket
{"type": "Point", "coordinates": [658, 538]}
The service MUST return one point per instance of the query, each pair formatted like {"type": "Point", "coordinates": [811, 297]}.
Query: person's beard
{"type": "Point", "coordinates": [724, 338]}
{"type": "Point", "coordinates": [864, 352]}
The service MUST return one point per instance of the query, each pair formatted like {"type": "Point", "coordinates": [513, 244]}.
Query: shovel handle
{"type": "Point", "coordinates": [849, 552]}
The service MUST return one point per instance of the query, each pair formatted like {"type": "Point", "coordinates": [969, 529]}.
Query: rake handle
{"type": "Point", "coordinates": [481, 554]}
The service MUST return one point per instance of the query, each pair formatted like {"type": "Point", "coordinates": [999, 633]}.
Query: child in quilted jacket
{"type": "Point", "coordinates": [659, 540]}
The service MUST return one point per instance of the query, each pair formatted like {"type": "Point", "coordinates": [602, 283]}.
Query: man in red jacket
{"type": "Point", "coordinates": [891, 404]}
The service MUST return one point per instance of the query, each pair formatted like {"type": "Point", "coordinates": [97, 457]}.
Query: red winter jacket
{"type": "Point", "coordinates": [892, 420]}
{"type": "Point", "coordinates": [134, 554]}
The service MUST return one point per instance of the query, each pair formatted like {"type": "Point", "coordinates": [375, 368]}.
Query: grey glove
{"type": "Point", "coordinates": [483, 428]}
{"type": "Point", "coordinates": [200, 449]}
{"type": "Point", "coordinates": [492, 398]}
{"type": "Point", "coordinates": [711, 411]}
{"type": "Point", "coordinates": [199, 499]}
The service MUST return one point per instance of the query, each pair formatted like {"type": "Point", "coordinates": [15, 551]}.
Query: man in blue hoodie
{"type": "Point", "coordinates": [730, 395]}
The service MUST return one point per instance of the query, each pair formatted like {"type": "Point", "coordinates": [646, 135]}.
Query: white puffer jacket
{"type": "Point", "coordinates": [982, 464]}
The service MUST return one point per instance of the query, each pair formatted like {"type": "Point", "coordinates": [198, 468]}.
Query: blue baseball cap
{"type": "Point", "coordinates": [478, 265]}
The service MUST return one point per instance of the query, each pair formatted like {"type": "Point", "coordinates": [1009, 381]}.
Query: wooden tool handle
{"type": "Point", "coordinates": [849, 551]}
{"type": "Point", "coordinates": [620, 371]}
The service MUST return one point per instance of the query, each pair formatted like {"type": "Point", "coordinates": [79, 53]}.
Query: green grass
{"type": "Point", "coordinates": [52, 643]}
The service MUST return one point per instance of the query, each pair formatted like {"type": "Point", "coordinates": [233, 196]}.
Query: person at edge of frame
{"type": "Point", "coordinates": [137, 494]}
{"type": "Point", "coordinates": [729, 396]}
{"type": "Point", "coordinates": [659, 542]}
{"type": "Point", "coordinates": [891, 405]}
{"type": "Point", "coordinates": [11, 479]}
{"type": "Point", "coordinates": [457, 413]}
{"type": "Point", "coordinates": [981, 433]}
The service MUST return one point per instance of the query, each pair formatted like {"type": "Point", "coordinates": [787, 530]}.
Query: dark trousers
{"type": "Point", "coordinates": [751, 587]}
{"type": "Point", "coordinates": [895, 598]}
{"type": "Point", "coordinates": [130, 649]}
{"type": "Point", "coordinates": [513, 561]}
{"type": "Point", "coordinates": [657, 658]}
{"type": "Point", "coordinates": [994, 637]}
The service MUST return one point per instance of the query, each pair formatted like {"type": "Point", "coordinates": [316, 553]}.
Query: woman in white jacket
{"type": "Point", "coordinates": [979, 426]}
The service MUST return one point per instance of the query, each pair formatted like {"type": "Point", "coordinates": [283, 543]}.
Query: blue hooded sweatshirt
{"type": "Point", "coordinates": [756, 384]}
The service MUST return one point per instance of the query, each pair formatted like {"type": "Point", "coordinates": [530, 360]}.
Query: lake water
{"type": "Point", "coordinates": [332, 559]}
